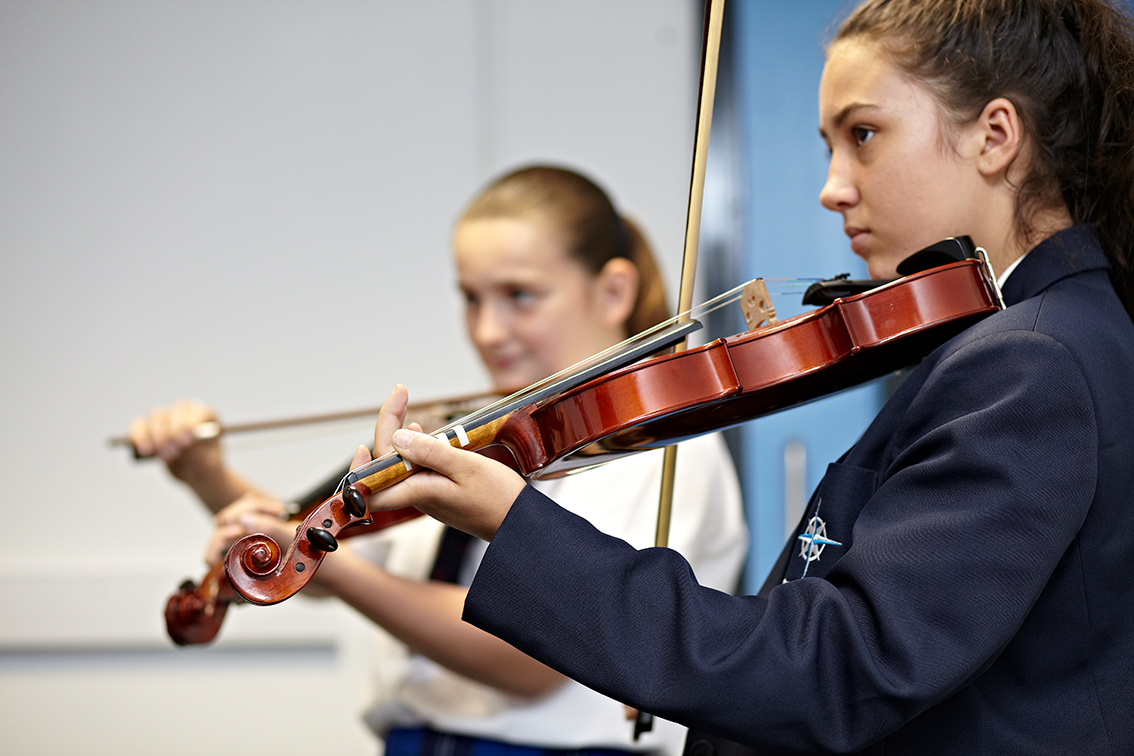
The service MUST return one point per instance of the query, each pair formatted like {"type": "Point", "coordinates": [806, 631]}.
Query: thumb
{"type": "Point", "coordinates": [424, 450]}
{"type": "Point", "coordinates": [361, 457]}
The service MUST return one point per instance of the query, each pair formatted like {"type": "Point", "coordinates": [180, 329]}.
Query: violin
{"type": "Point", "coordinates": [194, 614]}
{"type": "Point", "coordinates": [578, 420]}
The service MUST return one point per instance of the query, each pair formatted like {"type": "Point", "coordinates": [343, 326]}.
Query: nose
{"type": "Point", "coordinates": [487, 324]}
{"type": "Point", "coordinates": [839, 193]}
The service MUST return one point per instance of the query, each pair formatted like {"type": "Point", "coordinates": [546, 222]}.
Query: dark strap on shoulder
{"type": "Point", "coordinates": [450, 554]}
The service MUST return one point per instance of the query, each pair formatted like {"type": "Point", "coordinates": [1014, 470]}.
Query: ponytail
{"type": "Point", "coordinates": [650, 307]}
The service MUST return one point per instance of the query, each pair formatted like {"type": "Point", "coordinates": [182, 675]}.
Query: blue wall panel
{"type": "Point", "coordinates": [777, 62]}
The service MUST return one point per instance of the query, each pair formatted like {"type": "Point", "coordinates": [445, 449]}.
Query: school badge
{"type": "Point", "coordinates": [813, 540]}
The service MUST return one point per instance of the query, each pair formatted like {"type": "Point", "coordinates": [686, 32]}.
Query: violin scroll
{"type": "Point", "coordinates": [262, 573]}
{"type": "Point", "coordinates": [194, 614]}
{"type": "Point", "coordinates": [257, 567]}
{"type": "Point", "coordinates": [258, 554]}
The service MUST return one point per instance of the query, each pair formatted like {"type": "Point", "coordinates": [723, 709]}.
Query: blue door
{"type": "Point", "coordinates": [763, 219]}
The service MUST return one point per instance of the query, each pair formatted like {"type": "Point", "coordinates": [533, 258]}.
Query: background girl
{"type": "Point", "coordinates": [551, 274]}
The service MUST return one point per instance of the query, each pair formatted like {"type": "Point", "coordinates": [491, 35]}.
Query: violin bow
{"type": "Point", "coordinates": [420, 411]}
{"type": "Point", "coordinates": [710, 56]}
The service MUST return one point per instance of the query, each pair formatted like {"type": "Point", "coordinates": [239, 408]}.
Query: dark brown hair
{"type": "Point", "coordinates": [1068, 68]}
{"type": "Point", "coordinates": [594, 230]}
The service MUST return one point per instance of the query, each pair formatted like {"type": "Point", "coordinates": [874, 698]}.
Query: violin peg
{"type": "Point", "coordinates": [321, 540]}
{"type": "Point", "coordinates": [354, 503]}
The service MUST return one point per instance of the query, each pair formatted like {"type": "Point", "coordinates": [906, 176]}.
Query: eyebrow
{"type": "Point", "coordinates": [844, 113]}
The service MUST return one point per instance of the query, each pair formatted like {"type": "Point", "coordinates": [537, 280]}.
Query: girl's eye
{"type": "Point", "coordinates": [521, 296]}
{"type": "Point", "coordinates": [861, 135]}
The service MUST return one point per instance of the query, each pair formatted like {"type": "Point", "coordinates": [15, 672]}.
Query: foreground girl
{"type": "Point", "coordinates": [979, 597]}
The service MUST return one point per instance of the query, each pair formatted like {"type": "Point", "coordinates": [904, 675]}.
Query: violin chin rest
{"type": "Point", "coordinates": [951, 250]}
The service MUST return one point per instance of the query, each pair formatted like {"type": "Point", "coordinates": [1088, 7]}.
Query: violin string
{"type": "Point", "coordinates": [663, 332]}
{"type": "Point", "coordinates": [785, 286]}
{"type": "Point", "coordinates": [607, 356]}
{"type": "Point", "coordinates": [781, 286]}
{"type": "Point", "coordinates": [598, 361]}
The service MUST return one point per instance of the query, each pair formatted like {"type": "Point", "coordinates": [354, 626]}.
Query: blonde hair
{"type": "Point", "coordinates": [594, 231]}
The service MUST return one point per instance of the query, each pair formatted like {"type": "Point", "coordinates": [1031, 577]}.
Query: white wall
{"type": "Point", "coordinates": [250, 202]}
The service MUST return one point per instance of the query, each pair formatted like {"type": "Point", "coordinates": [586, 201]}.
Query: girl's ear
{"type": "Point", "coordinates": [1002, 133]}
{"type": "Point", "coordinates": [616, 291]}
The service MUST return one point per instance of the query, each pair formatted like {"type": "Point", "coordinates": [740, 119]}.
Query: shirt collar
{"type": "Point", "coordinates": [1008, 271]}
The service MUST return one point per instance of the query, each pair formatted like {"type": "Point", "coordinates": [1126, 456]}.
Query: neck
{"type": "Point", "coordinates": [1016, 244]}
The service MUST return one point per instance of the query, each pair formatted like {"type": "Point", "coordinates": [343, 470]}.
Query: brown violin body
{"type": "Point", "coordinates": [660, 401]}
{"type": "Point", "coordinates": [731, 380]}
{"type": "Point", "coordinates": [194, 614]}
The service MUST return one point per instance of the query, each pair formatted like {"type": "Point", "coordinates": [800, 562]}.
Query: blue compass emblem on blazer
{"type": "Point", "coordinates": [813, 540]}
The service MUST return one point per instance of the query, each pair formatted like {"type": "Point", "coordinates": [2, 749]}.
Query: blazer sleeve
{"type": "Point", "coordinates": [983, 482]}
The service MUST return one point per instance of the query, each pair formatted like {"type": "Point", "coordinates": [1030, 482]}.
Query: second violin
{"type": "Point", "coordinates": [195, 613]}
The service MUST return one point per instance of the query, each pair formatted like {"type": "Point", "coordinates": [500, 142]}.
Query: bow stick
{"type": "Point", "coordinates": [710, 55]}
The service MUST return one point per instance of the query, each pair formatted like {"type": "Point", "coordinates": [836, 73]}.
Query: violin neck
{"type": "Point", "coordinates": [482, 424]}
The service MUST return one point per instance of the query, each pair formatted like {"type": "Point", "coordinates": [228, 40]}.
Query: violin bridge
{"type": "Point", "coordinates": [756, 304]}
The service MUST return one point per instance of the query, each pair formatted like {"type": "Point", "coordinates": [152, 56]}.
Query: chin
{"type": "Point", "coordinates": [883, 269]}
{"type": "Point", "coordinates": [882, 264]}
{"type": "Point", "coordinates": [509, 384]}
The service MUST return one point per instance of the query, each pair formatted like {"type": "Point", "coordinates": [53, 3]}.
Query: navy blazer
{"type": "Point", "coordinates": [962, 581]}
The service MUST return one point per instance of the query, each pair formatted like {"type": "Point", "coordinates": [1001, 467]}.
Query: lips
{"type": "Point", "coordinates": [858, 238]}
{"type": "Point", "coordinates": [499, 364]}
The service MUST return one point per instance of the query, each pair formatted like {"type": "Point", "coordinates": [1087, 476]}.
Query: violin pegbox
{"type": "Point", "coordinates": [263, 573]}
{"type": "Point", "coordinates": [756, 304]}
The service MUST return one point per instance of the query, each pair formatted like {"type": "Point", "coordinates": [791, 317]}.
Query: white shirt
{"type": "Point", "coordinates": [621, 499]}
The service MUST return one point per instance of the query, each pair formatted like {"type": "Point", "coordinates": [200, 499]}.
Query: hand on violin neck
{"type": "Point", "coordinates": [460, 488]}
{"type": "Point", "coordinates": [466, 490]}
{"type": "Point", "coordinates": [251, 513]}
